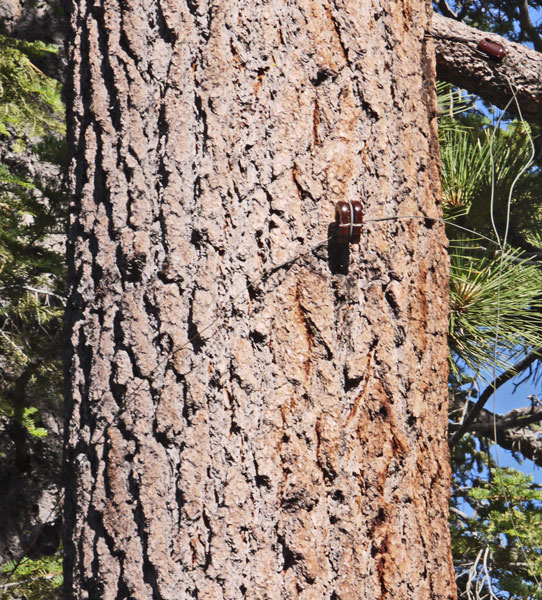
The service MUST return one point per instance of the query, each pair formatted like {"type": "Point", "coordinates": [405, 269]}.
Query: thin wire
{"type": "Point", "coordinates": [252, 284]}
{"type": "Point", "coordinates": [310, 250]}
{"type": "Point", "coordinates": [267, 273]}
{"type": "Point", "coordinates": [502, 246]}
{"type": "Point", "coordinates": [435, 220]}
{"type": "Point", "coordinates": [495, 127]}
{"type": "Point", "coordinates": [487, 578]}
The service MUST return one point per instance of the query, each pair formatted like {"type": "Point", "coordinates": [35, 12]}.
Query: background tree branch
{"type": "Point", "coordinates": [514, 431]}
{"type": "Point", "coordinates": [477, 407]}
{"type": "Point", "coordinates": [461, 63]}
{"type": "Point", "coordinates": [528, 26]}
{"type": "Point", "coordinates": [446, 10]}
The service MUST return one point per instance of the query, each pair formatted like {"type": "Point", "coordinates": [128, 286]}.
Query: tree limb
{"type": "Point", "coordinates": [521, 365]}
{"type": "Point", "coordinates": [461, 63]}
{"type": "Point", "coordinates": [464, 10]}
{"type": "Point", "coordinates": [517, 418]}
{"type": "Point", "coordinates": [463, 516]}
{"type": "Point", "coordinates": [528, 26]}
{"type": "Point", "coordinates": [446, 10]}
{"type": "Point", "coordinates": [513, 431]}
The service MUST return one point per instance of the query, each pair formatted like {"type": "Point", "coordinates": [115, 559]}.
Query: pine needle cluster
{"type": "Point", "coordinates": [496, 318]}
{"type": "Point", "coordinates": [494, 289]}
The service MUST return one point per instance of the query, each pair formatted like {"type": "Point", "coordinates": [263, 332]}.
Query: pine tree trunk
{"type": "Point", "coordinates": [232, 436]}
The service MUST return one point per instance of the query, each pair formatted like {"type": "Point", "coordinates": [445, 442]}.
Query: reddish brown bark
{"type": "Point", "coordinates": [296, 449]}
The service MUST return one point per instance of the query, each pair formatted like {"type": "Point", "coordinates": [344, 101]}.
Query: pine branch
{"type": "Point", "coordinates": [517, 418]}
{"type": "Point", "coordinates": [463, 516]}
{"type": "Point", "coordinates": [513, 431]}
{"type": "Point", "coordinates": [446, 10]}
{"type": "Point", "coordinates": [520, 366]}
{"type": "Point", "coordinates": [461, 63]}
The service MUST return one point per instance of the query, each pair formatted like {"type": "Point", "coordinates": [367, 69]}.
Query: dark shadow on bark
{"type": "Point", "coordinates": [338, 254]}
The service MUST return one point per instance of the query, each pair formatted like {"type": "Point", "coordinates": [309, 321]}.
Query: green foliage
{"type": "Point", "coordinates": [32, 214]}
{"type": "Point", "coordinates": [33, 204]}
{"type": "Point", "coordinates": [479, 166]}
{"type": "Point", "coordinates": [29, 421]}
{"type": "Point", "coordinates": [31, 294]}
{"type": "Point", "coordinates": [484, 282]}
{"type": "Point", "coordinates": [30, 102]}
{"type": "Point", "coordinates": [451, 103]}
{"type": "Point", "coordinates": [37, 579]}
{"type": "Point", "coordinates": [464, 158]}
{"type": "Point", "coordinates": [504, 515]}
{"type": "Point", "coordinates": [496, 523]}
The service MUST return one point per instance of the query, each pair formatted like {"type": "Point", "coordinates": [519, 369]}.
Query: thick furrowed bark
{"type": "Point", "coordinates": [297, 449]}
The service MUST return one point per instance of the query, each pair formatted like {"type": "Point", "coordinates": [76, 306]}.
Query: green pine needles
{"type": "Point", "coordinates": [479, 285]}
{"type": "Point", "coordinates": [495, 319]}
{"type": "Point", "coordinates": [479, 163]}
{"type": "Point", "coordinates": [33, 205]}
{"type": "Point", "coordinates": [30, 102]}
{"type": "Point", "coordinates": [32, 214]}
{"type": "Point", "coordinates": [39, 579]}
